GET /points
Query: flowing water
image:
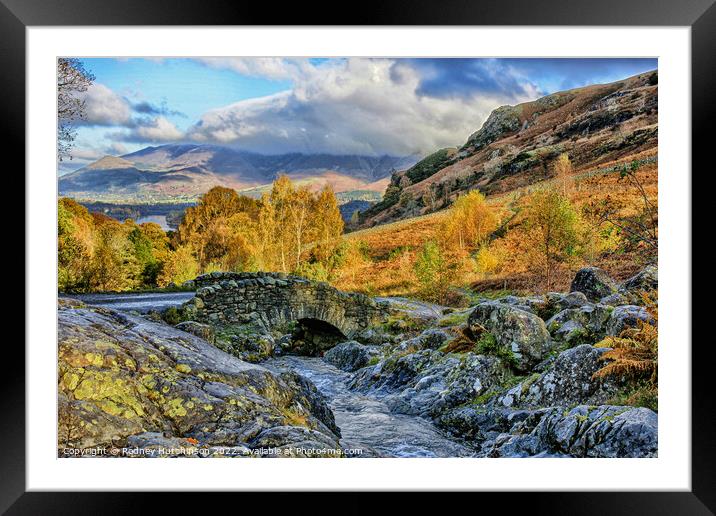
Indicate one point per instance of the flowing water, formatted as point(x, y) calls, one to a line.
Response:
point(365, 421)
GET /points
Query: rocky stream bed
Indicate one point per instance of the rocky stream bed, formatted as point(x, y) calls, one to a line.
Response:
point(512, 377)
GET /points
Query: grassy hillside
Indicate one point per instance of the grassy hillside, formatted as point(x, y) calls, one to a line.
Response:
point(391, 249)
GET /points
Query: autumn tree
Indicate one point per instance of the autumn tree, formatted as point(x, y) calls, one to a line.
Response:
point(328, 224)
point(114, 265)
point(280, 199)
point(75, 243)
point(210, 227)
point(552, 226)
point(72, 81)
point(302, 222)
point(562, 170)
point(434, 272)
point(470, 221)
point(180, 266)
point(150, 245)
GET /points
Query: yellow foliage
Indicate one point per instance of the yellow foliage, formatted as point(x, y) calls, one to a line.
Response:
point(634, 353)
point(562, 168)
point(487, 260)
point(469, 222)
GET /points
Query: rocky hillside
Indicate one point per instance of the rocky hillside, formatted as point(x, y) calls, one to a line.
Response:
point(516, 145)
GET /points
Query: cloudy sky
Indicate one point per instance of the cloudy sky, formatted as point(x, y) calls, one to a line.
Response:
point(335, 106)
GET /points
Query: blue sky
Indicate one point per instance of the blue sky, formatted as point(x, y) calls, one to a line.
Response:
point(351, 105)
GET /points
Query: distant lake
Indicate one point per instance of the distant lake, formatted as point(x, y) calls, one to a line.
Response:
point(157, 219)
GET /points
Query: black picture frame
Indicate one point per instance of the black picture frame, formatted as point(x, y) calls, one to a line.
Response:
point(700, 15)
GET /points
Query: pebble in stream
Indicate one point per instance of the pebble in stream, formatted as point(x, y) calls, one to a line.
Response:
point(365, 421)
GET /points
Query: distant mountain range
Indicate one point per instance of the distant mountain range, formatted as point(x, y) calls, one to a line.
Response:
point(185, 171)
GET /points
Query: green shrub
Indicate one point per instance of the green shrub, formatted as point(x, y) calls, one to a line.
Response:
point(487, 345)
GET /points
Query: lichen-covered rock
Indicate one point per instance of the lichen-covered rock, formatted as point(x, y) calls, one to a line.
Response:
point(249, 342)
point(295, 441)
point(634, 288)
point(603, 431)
point(586, 324)
point(615, 299)
point(350, 355)
point(626, 316)
point(432, 338)
point(373, 336)
point(481, 423)
point(416, 379)
point(594, 283)
point(394, 372)
point(533, 304)
point(557, 301)
point(201, 330)
point(583, 431)
point(521, 332)
point(568, 381)
point(451, 381)
point(644, 281)
point(122, 375)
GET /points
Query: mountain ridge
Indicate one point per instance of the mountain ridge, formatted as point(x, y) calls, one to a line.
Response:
point(516, 146)
point(185, 171)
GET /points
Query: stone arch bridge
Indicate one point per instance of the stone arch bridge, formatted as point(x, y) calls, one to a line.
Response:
point(272, 299)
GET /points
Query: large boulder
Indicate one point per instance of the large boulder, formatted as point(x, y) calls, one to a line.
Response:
point(522, 333)
point(594, 283)
point(249, 342)
point(632, 291)
point(582, 431)
point(122, 375)
point(588, 431)
point(645, 281)
point(585, 324)
point(626, 316)
point(451, 381)
point(567, 382)
point(395, 372)
point(350, 356)
point(432, 338)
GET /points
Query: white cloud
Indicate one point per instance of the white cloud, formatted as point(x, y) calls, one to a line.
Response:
point(275, 68)
point(357, 106)
point(156, 130)
point(104, 107)
point(117, 148)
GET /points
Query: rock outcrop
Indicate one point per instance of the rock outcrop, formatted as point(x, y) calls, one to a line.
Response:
point(350, 355)
point(594, 283)
point(125, 380)
point(521, 333)
point(569, 381)
point(513, 145)
point(583, 431)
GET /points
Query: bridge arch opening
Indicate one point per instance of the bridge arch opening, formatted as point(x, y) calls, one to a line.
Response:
point(313, 337)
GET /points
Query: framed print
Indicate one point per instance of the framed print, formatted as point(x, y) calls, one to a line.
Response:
point(420, 254)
